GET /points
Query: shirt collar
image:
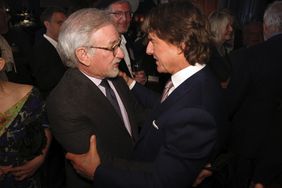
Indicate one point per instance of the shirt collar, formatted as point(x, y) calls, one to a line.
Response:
point(123, 40)
point(96, 81)
point(275, 34)
point(52, 41)
point(182, 75)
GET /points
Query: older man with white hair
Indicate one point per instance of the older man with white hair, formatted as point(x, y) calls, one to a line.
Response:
point(90, 98)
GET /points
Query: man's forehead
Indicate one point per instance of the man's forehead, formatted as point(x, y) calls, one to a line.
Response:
point(106, 33)
point(58, 15)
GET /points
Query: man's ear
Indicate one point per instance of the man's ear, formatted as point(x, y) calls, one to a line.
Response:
point(82, 56)
point(46, 24)
point(181, 48)
point(2, 63)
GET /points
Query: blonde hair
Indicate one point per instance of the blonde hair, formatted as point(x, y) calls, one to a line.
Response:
point(219, 19)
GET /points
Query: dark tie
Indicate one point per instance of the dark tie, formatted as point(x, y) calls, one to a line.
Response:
point(110, 94)
point(168, 86)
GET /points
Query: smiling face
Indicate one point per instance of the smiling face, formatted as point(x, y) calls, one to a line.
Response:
point(169, 58)
point(101, 63)
point(121, 14)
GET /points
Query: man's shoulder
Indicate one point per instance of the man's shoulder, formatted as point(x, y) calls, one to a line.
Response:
point(269, 45)
point(69, 87)
point(41, 41)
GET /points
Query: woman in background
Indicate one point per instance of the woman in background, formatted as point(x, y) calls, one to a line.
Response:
point(24, 135)
point(221, 24)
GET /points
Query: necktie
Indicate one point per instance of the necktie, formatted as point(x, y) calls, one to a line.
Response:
point(168, 86)
point(110, 94)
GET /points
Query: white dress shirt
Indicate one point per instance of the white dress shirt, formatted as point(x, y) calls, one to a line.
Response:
point(126, 54)
point(182, 75)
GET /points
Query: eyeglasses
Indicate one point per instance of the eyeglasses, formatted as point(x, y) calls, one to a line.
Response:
point(113, 49)
point(119, 14)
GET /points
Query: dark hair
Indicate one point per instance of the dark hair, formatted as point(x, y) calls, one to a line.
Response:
point(48, 12)
point(178, 23)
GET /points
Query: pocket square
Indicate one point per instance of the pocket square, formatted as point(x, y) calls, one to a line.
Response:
point(155, 125)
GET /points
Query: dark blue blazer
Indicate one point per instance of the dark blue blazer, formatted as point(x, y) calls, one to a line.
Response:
point(177, 137)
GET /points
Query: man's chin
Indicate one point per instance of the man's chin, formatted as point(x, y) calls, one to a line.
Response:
point(160, 70)
point(113, 73)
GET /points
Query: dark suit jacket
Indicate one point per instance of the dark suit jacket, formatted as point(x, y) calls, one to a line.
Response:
point(177, 137)
point(47, 66)
point(77, 109)
point(254, 100)
point(219, 65)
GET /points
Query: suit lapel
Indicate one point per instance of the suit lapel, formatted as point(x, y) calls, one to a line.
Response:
point(96, 96)
point(181, 91)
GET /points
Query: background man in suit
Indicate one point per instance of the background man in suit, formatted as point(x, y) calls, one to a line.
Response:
point(80, 105)
point(180, 132)
point(121, 13)
point(47, 67)
point(47, 70)
point(254, 100)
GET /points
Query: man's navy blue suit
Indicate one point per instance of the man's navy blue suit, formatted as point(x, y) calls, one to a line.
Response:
point(176, 140)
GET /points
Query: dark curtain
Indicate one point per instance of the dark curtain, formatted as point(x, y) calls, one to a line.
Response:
point(245, 10)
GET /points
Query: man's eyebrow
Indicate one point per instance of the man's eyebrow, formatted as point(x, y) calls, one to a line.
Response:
point(114, 41)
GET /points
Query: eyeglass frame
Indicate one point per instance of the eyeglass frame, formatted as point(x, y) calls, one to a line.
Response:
point(119, 14)
point(113, 49)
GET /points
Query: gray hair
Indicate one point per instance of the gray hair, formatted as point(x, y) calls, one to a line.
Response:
point(272, 18)
point(218, 21)
point(77, 30)
point(106, 5)
point(109, 8)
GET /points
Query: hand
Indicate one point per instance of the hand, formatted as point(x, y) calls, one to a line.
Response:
point(140, 77)
point(4, 170)
point(202, 175)
point(86, 164)
point(127, 79)
point(28, 169)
